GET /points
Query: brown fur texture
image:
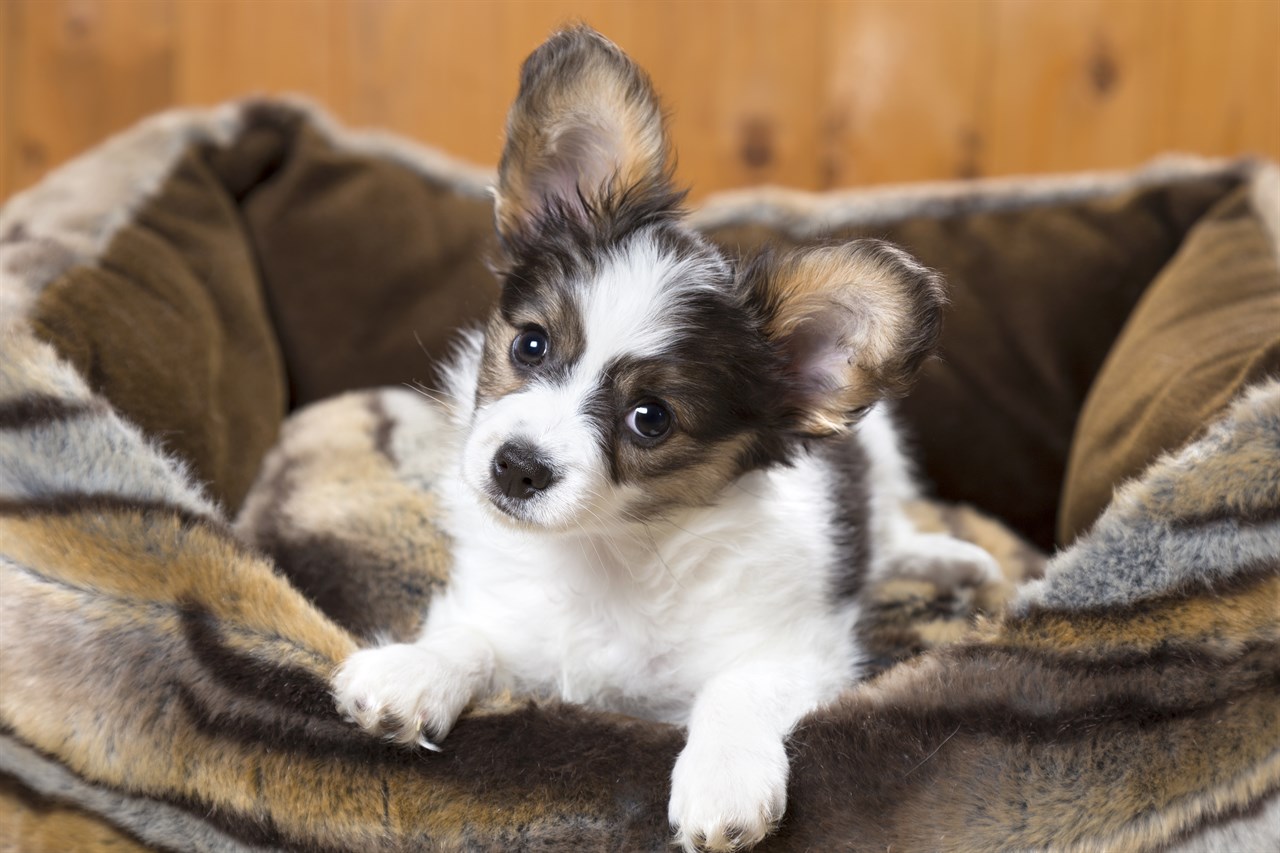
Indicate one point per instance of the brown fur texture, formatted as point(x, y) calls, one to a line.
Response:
point(1077, 708)
point(165, 672)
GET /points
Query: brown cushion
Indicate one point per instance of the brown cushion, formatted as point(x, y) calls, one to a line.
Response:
point(169, 324)
point(1206, 328)
point(1038, 296)
point(265, 275)
point(361, 257)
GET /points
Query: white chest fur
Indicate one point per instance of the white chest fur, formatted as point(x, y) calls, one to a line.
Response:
point(638, 620)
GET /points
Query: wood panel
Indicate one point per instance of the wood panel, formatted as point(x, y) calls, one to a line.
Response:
point(1227, 55)
point(906, 89)
point(231, 48)
point(78, 71)
point(1098, 96)
point(809, 93)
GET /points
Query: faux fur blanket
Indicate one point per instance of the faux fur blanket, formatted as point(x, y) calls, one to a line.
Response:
point(164, 662)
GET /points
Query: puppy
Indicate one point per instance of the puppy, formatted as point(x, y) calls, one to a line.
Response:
point(660, 505)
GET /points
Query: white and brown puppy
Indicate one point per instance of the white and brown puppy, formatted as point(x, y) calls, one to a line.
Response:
point(659, 504)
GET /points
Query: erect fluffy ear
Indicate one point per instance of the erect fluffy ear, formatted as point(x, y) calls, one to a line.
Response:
point(585, 123)
point(854, 322)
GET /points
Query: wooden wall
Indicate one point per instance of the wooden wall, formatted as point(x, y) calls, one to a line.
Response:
point(809, 93)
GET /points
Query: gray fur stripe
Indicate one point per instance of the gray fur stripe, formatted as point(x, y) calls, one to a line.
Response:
point(1144, 545)
point(101, 455)
point(152, 821)
point(432, 164)
point(46, 452)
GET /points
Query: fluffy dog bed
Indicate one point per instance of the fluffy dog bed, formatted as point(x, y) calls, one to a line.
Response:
point(174, 592)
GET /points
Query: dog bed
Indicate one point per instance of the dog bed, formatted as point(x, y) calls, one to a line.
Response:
point(181, 568)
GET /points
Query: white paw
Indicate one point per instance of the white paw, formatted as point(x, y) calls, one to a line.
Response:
point(944, 559)
point(727, 795)
point(402, 691)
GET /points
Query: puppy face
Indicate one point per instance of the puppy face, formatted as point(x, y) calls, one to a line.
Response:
point(618, 382)
point(631, 369)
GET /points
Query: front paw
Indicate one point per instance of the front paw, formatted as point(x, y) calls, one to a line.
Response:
point(727, 795)
point(401, 691)
point(944, 560)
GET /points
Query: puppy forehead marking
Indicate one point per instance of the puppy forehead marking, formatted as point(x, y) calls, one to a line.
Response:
point(631, 307)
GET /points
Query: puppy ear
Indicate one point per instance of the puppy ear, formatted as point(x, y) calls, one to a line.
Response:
point(854, 322)
point(585, 124)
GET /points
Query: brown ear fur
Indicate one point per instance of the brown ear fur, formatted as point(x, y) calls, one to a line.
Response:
point(855, 322)
point(586, 123)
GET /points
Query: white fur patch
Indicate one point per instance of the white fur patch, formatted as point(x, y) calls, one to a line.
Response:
point(627, 308)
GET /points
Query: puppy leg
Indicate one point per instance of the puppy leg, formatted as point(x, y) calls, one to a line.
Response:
point(899, 549)
point(414, 692)
point(729, 785)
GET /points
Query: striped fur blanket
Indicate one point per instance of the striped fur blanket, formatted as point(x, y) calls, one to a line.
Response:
point(169, 621)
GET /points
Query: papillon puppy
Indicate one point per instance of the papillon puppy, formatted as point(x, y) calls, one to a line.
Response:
point(670, 475)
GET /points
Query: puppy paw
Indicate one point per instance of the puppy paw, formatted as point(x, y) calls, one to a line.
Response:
point(727, 795)
point(944, 560)
point(402, 692)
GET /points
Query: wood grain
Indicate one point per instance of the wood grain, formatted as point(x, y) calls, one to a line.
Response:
point(229, 48)
point(906, 91)
point(808, 93)
point(79, 71)
point(1098, 96)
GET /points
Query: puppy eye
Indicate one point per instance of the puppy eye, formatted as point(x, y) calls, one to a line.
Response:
point(650, 419)
point(530, 347)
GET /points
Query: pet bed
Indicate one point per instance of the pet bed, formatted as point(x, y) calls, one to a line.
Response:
point(174, 592)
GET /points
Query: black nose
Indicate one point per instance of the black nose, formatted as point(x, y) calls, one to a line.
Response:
point(519, 471)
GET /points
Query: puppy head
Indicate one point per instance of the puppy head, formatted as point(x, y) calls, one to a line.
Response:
point(630, 370)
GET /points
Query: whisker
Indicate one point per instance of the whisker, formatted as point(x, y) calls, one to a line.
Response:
point(442, 403)
point(609, 542)
point(441, 391)
point(592, 540)
point(657, 553)
point(585, 558)
point(652, 545)
point(421, 345)
point(713, 541)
